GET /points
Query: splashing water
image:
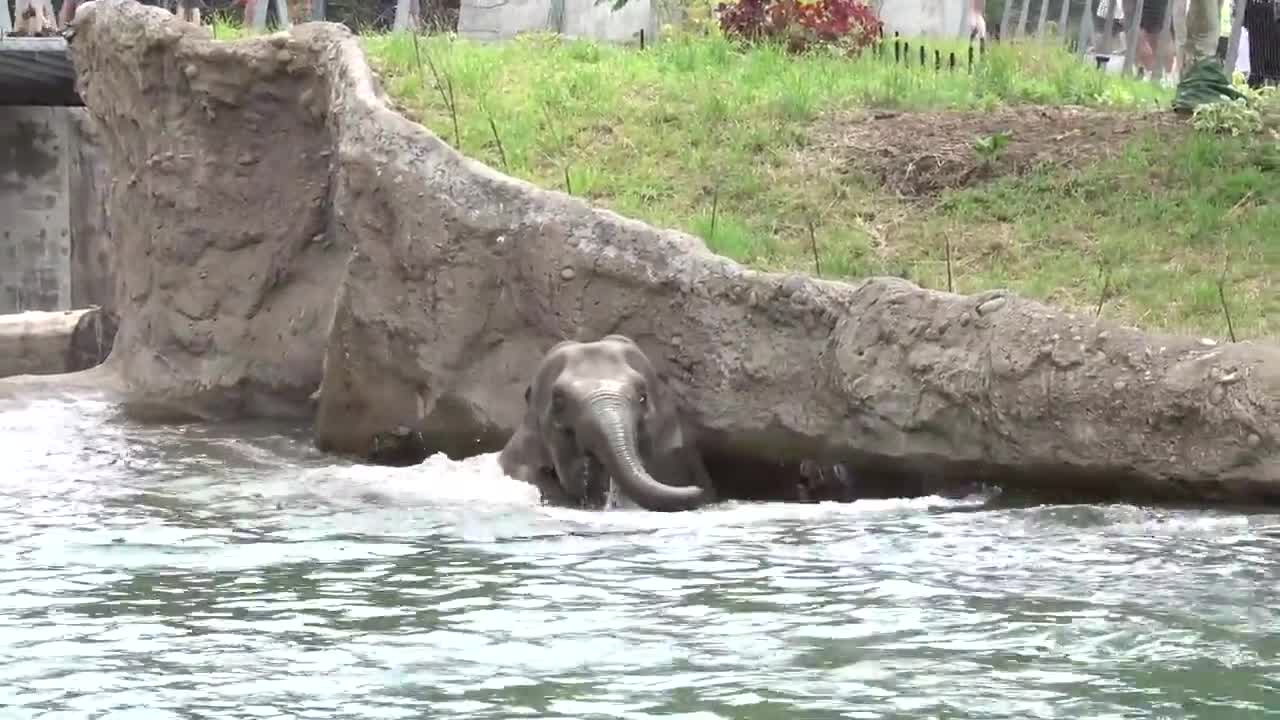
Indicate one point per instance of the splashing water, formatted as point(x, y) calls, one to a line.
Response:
point(233, 572)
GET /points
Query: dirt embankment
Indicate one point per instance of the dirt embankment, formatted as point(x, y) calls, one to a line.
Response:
point(277, 212)
point(920, 154)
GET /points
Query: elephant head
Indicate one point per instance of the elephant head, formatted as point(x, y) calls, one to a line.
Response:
point(597, 412)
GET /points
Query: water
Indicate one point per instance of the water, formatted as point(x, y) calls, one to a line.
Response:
point(188, 572)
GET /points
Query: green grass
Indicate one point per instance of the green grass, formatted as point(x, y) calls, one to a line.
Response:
point(665, 134)
point(1157, 227)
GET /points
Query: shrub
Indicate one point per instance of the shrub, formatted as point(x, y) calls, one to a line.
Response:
point(1258, 110)
point(801, 24)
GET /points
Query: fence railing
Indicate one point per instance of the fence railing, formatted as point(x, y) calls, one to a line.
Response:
point(1138, 37)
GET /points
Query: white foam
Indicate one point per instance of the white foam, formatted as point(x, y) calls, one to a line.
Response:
point(436, 481)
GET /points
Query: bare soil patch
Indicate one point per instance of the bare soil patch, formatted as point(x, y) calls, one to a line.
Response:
point(919, 154)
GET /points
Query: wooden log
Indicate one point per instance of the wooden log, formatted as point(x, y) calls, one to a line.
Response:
point(46, 343)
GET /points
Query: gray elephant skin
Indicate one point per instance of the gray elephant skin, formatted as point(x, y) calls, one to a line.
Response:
point(599, 422)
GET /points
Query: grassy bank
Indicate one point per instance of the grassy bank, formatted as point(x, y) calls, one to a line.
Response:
point(764, 155)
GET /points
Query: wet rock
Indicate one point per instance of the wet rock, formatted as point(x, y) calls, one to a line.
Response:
point(167, 257)
point(771, 368)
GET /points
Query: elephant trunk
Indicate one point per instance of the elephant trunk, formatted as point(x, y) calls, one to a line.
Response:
point(615, 424)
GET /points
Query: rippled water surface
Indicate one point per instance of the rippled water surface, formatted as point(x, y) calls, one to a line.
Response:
point(212, 572)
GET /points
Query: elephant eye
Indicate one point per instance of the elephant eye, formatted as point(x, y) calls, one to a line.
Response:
point(557, 400)
point(644, 397)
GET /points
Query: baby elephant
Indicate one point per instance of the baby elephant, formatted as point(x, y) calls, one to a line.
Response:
point(599, 423)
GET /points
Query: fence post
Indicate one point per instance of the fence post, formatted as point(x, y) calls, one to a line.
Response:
point(406, 12)
point(1086, 28)
point(1022, 19)
point(1044, 13)
point(1112, 7)
point(1004, 20)
point(1233, 45)
point(1163, 46)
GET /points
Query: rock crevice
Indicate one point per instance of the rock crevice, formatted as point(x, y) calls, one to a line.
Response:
point(283, 234)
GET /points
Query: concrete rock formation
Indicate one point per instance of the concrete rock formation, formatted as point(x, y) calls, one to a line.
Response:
point(219, 214)
point(91, 262)
point(272, 210)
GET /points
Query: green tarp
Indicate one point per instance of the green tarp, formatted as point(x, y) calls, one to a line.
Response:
point(1203, 83)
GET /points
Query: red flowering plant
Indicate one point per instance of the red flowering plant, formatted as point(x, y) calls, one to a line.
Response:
point(801, 24)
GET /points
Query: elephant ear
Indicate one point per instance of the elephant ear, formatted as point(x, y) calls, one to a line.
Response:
point(537, 394)
point(669, 434)
point(667, 429)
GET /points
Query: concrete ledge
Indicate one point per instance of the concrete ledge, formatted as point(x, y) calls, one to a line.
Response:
point(48, 343)
point(37, 71)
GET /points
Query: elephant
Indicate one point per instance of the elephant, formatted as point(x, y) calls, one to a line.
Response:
point(599, 426)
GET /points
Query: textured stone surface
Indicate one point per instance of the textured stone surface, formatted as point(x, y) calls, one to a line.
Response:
point(89, 189)
point(271, 208)
point(219, 211)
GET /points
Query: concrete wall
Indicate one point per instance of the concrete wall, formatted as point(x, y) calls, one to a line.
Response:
point(54, 180)
point(35, 231)
point(929, 18)
point(503, 19)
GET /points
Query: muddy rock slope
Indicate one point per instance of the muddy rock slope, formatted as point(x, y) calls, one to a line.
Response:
point(285, 235)
point(218, 212)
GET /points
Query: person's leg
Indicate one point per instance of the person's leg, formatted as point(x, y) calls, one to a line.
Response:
point(1148, 55)
point(1202, 31)
point(1150, 25)
point(1256, 15)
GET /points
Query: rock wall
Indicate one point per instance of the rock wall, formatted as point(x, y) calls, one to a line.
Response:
point(220, 213)
point(89, 184)
point(277, 212)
